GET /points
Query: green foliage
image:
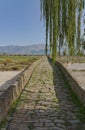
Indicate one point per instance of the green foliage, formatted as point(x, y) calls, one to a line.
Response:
point(60, 17)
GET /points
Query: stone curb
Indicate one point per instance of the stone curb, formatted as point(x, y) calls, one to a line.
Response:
point(77, 87)
point(8, 96)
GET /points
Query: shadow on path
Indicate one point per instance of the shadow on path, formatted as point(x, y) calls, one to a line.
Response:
point(73, 111)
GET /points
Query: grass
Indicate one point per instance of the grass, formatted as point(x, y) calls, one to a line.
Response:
point(6, 121)
point(3, 124)
point(16, 62)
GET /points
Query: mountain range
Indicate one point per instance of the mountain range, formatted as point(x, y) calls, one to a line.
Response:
point(37, 49)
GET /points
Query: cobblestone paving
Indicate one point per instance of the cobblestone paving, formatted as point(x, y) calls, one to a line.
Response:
point(45, 103)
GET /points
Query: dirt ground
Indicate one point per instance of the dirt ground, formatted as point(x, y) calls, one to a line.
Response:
point(7, 76)
point(78, 70)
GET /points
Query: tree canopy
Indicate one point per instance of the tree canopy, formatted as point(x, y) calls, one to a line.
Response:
point(63, 21)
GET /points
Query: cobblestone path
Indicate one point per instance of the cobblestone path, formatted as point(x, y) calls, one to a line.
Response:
point(45, 103)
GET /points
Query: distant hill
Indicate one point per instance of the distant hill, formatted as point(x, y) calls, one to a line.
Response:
point(38, 49)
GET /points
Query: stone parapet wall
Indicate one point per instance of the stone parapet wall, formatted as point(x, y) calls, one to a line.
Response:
point(77, 87)
point(9, 95)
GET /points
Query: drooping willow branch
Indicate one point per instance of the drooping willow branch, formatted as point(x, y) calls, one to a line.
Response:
point(63, 20)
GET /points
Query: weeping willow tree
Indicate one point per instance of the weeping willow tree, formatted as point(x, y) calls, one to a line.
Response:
point(49, 10)
point(71, 29)
point(62, 22)
point(51, 25)
point(55, 28)
point(45, 11)
point(80, 4)
point(60, 18)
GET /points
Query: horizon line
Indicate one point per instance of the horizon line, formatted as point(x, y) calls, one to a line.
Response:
point(22, 45)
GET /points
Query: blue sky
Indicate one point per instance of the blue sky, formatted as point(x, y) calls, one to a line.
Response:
point(20, 22)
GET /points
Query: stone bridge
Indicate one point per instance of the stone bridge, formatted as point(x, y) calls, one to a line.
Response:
point(47, 102)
